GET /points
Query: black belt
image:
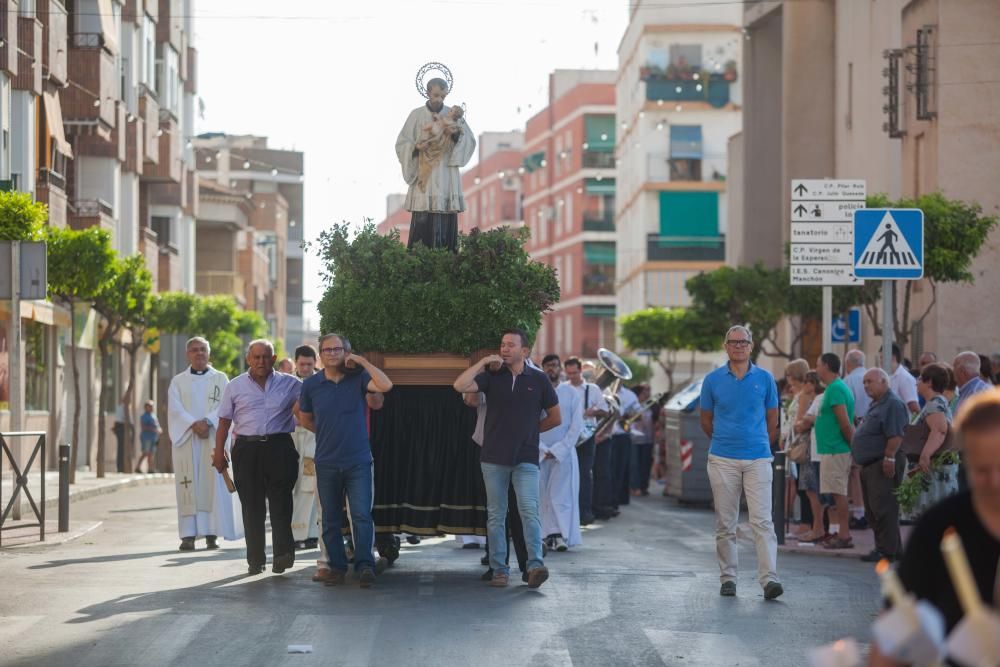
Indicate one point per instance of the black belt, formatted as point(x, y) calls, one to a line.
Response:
point(263, 438)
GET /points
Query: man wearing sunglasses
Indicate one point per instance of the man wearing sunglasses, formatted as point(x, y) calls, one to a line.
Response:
point(739, 414)
point(333, 404)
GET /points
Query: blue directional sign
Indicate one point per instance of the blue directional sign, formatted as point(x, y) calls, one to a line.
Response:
point(889, 243)
point(849, 330)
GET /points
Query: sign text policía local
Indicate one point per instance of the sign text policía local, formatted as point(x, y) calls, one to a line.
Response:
point(822, 235)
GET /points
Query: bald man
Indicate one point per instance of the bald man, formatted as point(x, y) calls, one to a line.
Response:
point(967, 375)
point(875, 446)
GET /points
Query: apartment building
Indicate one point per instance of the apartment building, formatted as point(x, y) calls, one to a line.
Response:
point(251, 229)
point(899, 93)
point(569, 199)
point(679, 100)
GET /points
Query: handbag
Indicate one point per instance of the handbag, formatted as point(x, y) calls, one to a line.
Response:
point(915, 437)
point(799, 450)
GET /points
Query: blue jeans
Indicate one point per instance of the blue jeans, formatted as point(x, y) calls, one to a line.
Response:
point(358, 483)
point(498, 478)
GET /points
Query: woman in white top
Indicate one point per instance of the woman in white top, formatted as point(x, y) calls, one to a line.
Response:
point(810, 398)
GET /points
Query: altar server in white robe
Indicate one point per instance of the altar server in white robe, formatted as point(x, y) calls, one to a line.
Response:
point(305, 527)
point(559, 469)
point(205, 507)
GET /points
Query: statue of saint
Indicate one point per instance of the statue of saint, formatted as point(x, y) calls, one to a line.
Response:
point(433, 144)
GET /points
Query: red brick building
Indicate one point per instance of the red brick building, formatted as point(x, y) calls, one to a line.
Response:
point(568, 178)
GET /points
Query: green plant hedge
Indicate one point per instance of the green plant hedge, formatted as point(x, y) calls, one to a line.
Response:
point(390, 299)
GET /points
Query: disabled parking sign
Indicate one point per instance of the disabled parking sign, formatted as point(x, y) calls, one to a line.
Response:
point(889, 243)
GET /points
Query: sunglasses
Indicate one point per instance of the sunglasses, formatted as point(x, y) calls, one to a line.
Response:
point(738, 343)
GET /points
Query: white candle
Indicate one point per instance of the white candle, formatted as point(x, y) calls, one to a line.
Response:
point(892, 587)
point(961, 573)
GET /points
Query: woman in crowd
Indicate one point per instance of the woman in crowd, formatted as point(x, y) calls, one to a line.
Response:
point(810, 398)
point(788, 389)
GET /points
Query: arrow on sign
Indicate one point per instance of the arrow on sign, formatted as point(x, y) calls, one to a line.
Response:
point(801, 189)
point(800, 210)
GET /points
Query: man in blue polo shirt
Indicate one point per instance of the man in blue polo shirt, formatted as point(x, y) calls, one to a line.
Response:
point(332, 404)
point(517, 396)
point(739, 414)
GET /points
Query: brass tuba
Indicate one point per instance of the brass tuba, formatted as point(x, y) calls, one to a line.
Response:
point(615, 370)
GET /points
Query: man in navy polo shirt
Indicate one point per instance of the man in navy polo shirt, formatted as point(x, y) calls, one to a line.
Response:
point(739, 414)
point(332, 404)
point(522, 404)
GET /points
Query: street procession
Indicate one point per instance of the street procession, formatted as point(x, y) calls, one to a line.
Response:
point(695, 365)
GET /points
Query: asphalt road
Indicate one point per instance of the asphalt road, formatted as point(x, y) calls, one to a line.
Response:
point(642, 590)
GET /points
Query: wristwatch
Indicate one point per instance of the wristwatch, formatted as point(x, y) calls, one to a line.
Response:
point(890, 459)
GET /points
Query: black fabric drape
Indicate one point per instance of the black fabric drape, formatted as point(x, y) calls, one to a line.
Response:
point(427, 475)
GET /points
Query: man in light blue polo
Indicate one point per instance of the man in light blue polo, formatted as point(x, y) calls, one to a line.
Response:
point(739, 414)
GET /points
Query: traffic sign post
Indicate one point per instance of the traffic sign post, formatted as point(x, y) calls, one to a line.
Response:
point(822, 238)
point(889, 245)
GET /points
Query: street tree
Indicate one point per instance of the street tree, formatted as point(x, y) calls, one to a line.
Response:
point(665, 333)
point(954, 233)
point(21, 219)
point(136, 319)
point(80, 264)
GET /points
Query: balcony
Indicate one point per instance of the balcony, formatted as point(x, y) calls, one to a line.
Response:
point(221, 282)
point(685, 248)
point(685, 84)
point(86, 213)
point(167, 167)
point(169, 269)
point(597, 221)
point(599, 280)
point(50, 189)
point(29, 55)
point(150, 249)
point(8, 35)
point(598, 160)
point(149, 112)
point(92, 68)
point(53, 16)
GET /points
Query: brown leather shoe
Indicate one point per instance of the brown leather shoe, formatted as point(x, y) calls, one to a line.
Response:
point(321, 574)
point(537, 576)
point(500, 580)
point(335, 578)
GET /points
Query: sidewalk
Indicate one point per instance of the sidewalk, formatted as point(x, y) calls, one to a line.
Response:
point(864, 542)
point(87, 486)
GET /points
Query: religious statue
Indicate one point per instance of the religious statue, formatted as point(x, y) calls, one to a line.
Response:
point(433, 144)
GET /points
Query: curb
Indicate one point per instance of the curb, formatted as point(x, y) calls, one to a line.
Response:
point(52, 503)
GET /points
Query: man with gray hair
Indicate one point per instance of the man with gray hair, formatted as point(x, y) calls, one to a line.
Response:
point(874, 447)
point(204, 506)
point(258, 406)
point(967, 367)
point(854, 373)
point(739, 414)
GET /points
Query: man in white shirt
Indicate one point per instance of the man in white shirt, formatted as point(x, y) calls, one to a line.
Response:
point(902, 382)
point(854, 375)
point(559, 470)
point(594, 409)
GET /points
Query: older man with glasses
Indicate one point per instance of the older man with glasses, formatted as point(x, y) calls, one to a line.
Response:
point(739, 414)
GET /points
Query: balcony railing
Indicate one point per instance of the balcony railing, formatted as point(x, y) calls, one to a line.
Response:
point(685, 248)
point(87, 208)
point(599, 281)
point(596, 221)
point(221, 282)
point(51, 179)
point(713, 88)
point(598, 160)
point(86, 40)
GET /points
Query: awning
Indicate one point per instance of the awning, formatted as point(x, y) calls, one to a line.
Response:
point(533, 162)
point(600, 133)
point(605, 186)
point(108, 29)
point(598, 311)
point(54, 119)
point(685, 142)
point(599, 253)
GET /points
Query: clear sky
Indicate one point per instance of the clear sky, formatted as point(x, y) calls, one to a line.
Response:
point(336, 80)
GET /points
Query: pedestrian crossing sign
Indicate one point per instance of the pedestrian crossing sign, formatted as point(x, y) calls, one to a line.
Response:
point(889, 243)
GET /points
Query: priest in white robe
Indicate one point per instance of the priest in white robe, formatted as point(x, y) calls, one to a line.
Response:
point(559, 469)
point(435, 206)
point(205, 507)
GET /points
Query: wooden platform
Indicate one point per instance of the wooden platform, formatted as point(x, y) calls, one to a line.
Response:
point(424, 369)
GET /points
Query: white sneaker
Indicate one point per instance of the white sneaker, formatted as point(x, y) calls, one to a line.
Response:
point(561, 544)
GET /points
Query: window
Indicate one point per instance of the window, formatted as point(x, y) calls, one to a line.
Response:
point(685, 56)
point(168, 80)
point(568, 267)
point(162, 227)
point(36, 365)
point(685, 152)
point(148, 50)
